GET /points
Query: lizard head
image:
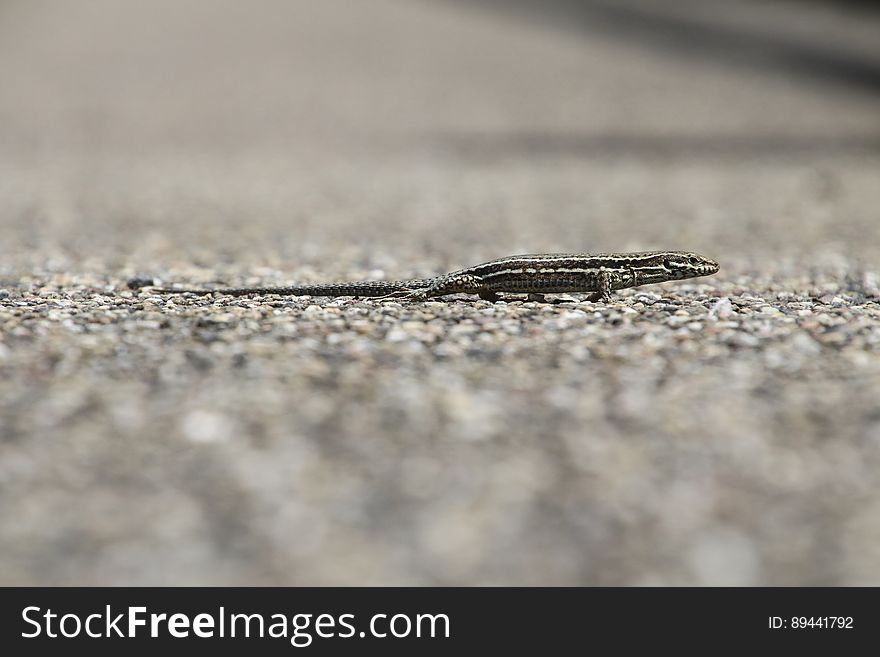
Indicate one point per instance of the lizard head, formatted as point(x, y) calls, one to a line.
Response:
point(682, 264)
point(659, 266)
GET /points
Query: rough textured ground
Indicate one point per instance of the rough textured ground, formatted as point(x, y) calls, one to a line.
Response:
point(718, 431)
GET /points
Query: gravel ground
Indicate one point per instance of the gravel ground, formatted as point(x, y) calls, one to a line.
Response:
point(724, 430)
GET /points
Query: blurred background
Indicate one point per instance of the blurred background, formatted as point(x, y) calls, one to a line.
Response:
point(504, 125)
point(278, 140)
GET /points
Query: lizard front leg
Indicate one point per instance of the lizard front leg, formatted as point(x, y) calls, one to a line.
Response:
point(603, 282)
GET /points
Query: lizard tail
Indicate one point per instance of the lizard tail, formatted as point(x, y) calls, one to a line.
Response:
point(347, 289)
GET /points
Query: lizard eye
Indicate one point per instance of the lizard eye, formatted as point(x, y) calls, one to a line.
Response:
point(667, 263)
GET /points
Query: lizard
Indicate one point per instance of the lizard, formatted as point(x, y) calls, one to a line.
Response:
point(533, 274)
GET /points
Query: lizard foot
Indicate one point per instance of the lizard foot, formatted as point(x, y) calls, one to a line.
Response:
point(405, 295)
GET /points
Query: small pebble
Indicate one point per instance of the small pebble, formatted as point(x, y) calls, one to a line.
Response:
point(137, 283)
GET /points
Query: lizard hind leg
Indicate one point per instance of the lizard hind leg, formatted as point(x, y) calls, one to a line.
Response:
point(457, 284)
